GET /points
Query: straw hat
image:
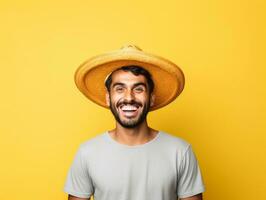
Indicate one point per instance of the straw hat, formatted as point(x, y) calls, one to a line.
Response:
point(168, 78)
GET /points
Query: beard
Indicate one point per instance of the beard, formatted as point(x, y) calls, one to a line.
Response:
point(130, 123)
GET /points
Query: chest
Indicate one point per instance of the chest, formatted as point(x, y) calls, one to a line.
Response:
point(130, 173)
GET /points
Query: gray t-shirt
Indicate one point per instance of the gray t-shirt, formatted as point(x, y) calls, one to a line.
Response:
point(165, 168)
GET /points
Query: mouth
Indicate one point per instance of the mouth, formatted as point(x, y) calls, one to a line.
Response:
point(129, 111)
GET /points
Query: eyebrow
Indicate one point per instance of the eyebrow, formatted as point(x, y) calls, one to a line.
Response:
point(140, 83)
point(135, 85)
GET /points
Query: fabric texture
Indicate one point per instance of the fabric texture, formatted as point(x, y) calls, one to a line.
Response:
point(164, 168)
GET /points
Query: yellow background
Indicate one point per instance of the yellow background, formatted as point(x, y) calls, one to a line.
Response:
point(220, 45)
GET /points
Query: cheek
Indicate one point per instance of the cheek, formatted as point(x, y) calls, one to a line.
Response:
point(142, 97)
point(115, 99)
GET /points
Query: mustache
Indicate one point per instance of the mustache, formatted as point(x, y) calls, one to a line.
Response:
point(132, 102)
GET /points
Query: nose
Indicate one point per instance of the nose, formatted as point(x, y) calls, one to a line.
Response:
point(129, 95)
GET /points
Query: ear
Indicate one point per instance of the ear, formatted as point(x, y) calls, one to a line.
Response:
point(107, 99)
point(152, 100)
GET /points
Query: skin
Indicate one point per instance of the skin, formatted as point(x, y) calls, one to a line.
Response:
point(126, 88)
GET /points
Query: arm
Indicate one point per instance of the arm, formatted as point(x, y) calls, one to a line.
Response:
point(196, 197)
point(70, 197)
point(190, 183)
point(79, 184)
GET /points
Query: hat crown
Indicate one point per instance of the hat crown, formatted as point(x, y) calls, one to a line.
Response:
point(129, 47)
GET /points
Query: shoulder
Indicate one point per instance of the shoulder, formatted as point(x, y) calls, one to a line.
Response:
point(175, 144)
point(181, 148)
point(93, 144)
point(173, 140)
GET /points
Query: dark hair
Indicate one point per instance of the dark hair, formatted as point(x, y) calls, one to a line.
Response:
point(136, 70)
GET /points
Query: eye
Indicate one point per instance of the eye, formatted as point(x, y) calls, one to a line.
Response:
point(139, 89)
point(119, 89)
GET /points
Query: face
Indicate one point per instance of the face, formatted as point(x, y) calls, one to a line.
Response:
point(129, 98)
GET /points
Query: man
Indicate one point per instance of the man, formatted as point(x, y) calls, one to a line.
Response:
point(133, 161)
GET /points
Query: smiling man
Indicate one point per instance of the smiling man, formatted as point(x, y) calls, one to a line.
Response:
point(129, 95)
point(133, 161)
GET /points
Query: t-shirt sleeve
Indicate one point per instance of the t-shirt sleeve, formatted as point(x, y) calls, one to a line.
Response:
point(190, 181)
point(78, 182)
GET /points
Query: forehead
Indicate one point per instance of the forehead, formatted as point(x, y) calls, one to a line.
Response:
point(127, 77)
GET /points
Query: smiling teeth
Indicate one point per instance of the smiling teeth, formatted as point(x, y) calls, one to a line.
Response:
point(128, 108)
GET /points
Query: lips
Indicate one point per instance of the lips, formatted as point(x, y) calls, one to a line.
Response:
point(129, 110)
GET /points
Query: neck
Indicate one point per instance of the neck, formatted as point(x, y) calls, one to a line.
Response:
point(133, 136)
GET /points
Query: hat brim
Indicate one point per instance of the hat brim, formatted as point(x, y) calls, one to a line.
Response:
point(168, 78)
